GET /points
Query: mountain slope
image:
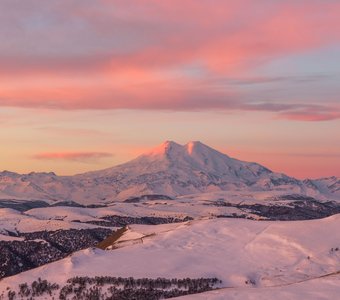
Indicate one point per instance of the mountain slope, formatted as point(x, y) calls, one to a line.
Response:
point(169, 169)
point(329, 185)
point(174, 170)
point(189, 160)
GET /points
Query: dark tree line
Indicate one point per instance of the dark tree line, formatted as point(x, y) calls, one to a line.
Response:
point(113, 288)
point(296, 207)
point(119, 288)
point(37, 288)
point(121, 221)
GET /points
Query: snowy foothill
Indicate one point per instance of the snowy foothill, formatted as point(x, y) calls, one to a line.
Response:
point(12, 221)
point(242, 253)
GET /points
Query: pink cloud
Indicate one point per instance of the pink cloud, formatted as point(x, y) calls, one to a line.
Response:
point(312, 113)
point(128, 55)
point(187, 97)
point(72, 156)
point(311, 117)
point(227, 36)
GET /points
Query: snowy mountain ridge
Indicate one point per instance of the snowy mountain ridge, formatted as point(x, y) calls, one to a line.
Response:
point(170, 169)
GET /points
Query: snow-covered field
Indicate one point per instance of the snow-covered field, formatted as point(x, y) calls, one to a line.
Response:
point(14, 221)
point(225, 203)
point(193, 206)
point(319, 289)
point(252, 258)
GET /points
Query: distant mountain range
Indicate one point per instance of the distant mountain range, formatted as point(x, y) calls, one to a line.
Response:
point(169, 170)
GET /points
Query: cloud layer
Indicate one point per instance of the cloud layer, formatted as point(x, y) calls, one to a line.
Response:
point(178, 55)
point(88, 157)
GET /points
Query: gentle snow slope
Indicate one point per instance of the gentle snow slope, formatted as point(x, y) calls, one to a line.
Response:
point(236, 251)
point(14, 221)
point(316, 289)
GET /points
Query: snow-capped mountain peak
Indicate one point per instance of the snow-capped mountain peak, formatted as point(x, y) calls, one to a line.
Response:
point(193, 156)
point(169, 169)
point(167, 148)
point(172, 169)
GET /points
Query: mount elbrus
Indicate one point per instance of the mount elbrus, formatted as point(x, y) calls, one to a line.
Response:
point(169, 170)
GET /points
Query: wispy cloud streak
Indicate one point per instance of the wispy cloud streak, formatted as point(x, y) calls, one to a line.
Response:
point(87, 157)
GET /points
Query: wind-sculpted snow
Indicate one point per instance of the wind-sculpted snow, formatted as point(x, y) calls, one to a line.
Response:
point(171, 170)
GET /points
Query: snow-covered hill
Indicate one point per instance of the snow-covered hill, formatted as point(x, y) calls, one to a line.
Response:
point(170, 169)
point(329, 185)
point(12, 221)
point(248, 256)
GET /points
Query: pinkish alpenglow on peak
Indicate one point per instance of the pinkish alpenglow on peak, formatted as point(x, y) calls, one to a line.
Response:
point(169, 169)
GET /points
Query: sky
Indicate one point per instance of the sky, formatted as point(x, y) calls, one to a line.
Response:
point(88, 84)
